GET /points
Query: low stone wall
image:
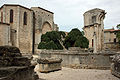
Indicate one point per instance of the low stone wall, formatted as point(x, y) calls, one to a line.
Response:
point(115, 66)
point(80, 59)
point(48, 65)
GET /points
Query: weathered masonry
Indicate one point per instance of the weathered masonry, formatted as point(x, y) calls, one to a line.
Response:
point(25, 26)
point(94, 28)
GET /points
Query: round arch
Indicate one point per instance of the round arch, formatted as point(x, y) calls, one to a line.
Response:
point(46, 27)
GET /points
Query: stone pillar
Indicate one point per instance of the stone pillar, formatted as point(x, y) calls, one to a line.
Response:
point(95, 41)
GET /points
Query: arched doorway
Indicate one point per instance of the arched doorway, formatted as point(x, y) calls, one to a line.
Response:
point(46, 27)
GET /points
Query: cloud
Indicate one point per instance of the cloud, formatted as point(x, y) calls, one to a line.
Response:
point(69, 13)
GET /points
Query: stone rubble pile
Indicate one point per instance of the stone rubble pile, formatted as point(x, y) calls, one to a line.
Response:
point(13, 66)
point(115, 66)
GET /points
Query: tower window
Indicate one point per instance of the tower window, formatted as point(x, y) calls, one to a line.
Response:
point(114, 40)
point(25, 18)
point(11, 16)
point(93, 19)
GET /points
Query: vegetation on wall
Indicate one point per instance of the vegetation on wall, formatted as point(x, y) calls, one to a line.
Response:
point(58, 40)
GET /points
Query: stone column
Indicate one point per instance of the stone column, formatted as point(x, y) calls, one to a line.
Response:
point(95, 41)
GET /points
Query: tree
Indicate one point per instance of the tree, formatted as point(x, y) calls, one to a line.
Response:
point(118, 26)
point(76, 39)
point(118, 36)
point(118, 33)
point(52, 40)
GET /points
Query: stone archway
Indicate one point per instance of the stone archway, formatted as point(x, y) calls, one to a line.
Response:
point(46, 27)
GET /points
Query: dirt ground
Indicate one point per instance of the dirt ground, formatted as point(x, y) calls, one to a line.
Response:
point(78, 74)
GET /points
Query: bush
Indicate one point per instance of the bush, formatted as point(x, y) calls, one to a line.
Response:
point(50, 40)
point(76, 39)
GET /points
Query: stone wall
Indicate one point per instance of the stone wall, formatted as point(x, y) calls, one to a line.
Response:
point(44, 22)
point(79, 59)
point(21, 34)
point(112, 46)
point(4, 34)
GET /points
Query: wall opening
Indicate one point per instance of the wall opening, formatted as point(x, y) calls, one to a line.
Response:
point(46, 27)
point(25, 18)
point(11, 16)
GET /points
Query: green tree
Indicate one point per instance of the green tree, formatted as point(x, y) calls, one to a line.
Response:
point(118, 26)
point(52, 40)
point(118, 33)
point(118, 36)
point(76, 39)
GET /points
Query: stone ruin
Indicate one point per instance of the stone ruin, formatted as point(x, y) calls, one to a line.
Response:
point(49, 65)
point(13, 66)
point(115, 66)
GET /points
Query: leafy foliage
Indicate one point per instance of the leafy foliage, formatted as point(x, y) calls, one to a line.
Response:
point(50, 40)
point(53, 40)
point(76, 39)
point(118, 26)
point(118, 36)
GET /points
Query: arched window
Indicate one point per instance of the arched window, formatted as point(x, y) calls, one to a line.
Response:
point(11, 16)
point(25, 18)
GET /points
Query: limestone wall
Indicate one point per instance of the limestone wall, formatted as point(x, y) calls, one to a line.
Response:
point(44, 22)
point(109, 37)
point(79, 59)
point(21, 35)
point(4, 34)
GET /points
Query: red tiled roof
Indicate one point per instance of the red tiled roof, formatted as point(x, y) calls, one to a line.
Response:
point(110, 30)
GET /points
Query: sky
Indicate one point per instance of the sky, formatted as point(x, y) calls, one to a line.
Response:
point(68, 14)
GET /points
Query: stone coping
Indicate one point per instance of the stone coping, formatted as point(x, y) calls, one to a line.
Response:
point(75, 53)
point(49, 61)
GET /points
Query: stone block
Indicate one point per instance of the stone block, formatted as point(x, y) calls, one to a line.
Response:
point(48, 65)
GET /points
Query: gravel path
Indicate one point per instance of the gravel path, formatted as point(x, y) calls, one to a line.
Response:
point(78, 74)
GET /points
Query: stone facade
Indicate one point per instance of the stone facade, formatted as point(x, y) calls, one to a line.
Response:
point(44, 22)
point(94, 28)
point(26, 25)
point(110, 40)
point(21, 34)
point(4, 34)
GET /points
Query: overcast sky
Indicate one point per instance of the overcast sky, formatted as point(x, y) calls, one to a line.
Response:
point(68, 14)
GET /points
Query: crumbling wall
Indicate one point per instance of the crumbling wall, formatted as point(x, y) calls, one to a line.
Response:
point(80, 59)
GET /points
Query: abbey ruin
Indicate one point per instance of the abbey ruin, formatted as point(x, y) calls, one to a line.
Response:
point(22, 27)
point(94, 28)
